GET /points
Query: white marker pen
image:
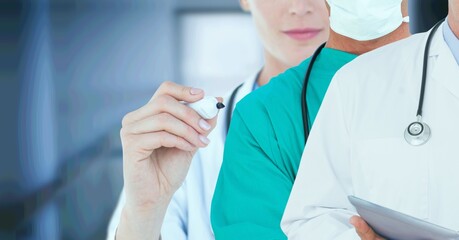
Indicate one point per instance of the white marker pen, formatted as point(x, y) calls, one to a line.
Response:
point(207, 107)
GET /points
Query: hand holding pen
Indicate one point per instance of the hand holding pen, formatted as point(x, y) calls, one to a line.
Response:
point(159, 141)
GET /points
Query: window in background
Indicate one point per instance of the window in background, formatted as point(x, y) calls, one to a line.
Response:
point(217, 50)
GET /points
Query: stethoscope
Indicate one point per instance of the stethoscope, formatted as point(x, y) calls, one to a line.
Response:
point(417, 133)
point(232, 100)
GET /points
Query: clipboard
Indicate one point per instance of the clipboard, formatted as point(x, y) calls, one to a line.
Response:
point(394, 225)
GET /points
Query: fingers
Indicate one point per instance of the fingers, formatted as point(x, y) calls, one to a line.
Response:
point(146, 143)
point(165, 113)
point(167, 104)
point(364, 231)
point(179, 92)
point(170, 124)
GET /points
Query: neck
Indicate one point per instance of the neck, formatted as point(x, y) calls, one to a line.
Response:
point(272, 68)
point(340, 42)
point(453, 22)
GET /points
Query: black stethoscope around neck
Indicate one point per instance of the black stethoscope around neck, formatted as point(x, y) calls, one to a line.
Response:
point(417, 133)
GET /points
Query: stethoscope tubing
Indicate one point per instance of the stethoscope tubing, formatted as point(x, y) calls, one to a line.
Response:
point(304, 105)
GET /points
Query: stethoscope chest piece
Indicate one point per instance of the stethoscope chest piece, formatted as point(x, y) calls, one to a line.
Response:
point(417, 133)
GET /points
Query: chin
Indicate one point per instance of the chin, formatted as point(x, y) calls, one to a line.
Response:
point(292, 62)
point(304, 53)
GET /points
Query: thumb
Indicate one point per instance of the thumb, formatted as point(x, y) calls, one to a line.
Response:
point(364, 231)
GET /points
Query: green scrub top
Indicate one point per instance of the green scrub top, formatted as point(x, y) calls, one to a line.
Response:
point(263, 151)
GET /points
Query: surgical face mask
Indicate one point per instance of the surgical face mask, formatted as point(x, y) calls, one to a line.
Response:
point(365, 20)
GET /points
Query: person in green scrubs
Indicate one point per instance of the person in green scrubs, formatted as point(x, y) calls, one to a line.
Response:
point(265, 142)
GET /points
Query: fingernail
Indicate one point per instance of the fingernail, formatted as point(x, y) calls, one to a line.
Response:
point(204, 125)
point(204, 139)
point(195, 91)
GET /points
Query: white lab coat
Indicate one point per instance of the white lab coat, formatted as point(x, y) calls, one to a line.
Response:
point(188, 215)
point(357, 144)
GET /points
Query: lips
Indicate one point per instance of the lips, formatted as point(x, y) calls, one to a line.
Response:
point(302, 33)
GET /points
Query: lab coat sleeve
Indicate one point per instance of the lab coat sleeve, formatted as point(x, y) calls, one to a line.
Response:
point(251, 190)
point(318, 207)
point(174, 225)
point(116, 216)
point(176, 219)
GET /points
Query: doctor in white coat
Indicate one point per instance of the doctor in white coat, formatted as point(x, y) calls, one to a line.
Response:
point(160, 140)
point(357, 146)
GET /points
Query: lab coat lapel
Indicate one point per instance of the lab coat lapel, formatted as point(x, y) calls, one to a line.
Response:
point(446, 69)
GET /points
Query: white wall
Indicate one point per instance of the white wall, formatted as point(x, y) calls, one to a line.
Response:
point(218, 50)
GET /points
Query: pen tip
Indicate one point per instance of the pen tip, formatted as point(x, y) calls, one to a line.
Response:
point(220, 105)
